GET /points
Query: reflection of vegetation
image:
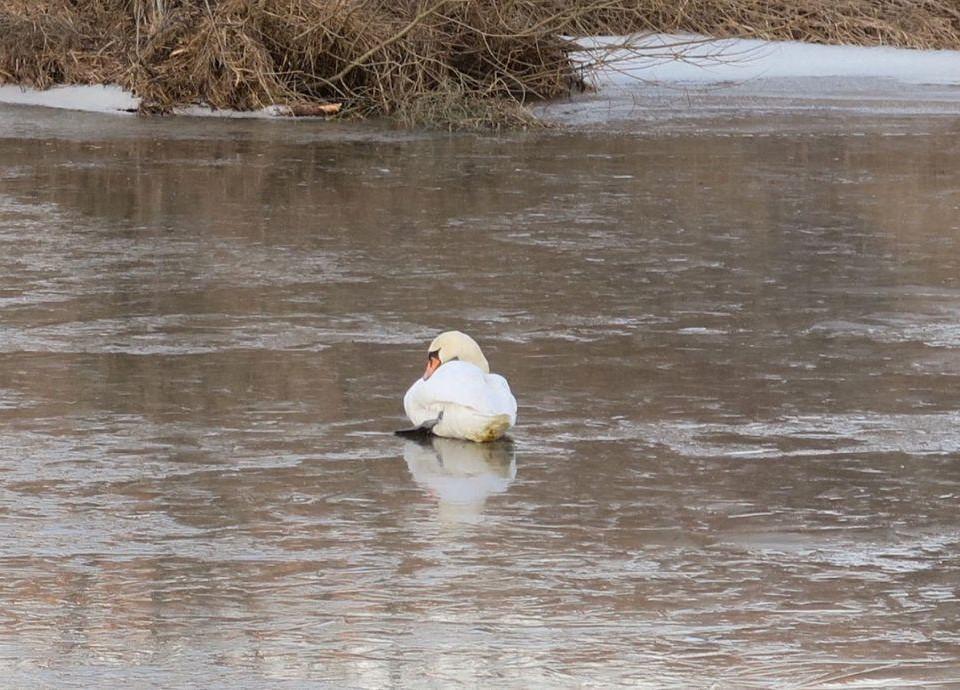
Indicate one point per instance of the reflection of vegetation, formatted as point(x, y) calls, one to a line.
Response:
point(464, 62)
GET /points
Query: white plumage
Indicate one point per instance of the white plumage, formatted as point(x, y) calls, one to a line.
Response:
point(457, 395)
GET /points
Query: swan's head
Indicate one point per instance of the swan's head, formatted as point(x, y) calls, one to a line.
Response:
point(454, 345)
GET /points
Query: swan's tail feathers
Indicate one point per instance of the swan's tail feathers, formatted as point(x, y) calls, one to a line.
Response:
point(495, 428)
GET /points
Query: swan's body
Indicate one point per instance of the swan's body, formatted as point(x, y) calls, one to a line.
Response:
point(458, 397)
point(466, 403)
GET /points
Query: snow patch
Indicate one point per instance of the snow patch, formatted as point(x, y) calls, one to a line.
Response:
point(91, 98)
point(109, 98)
point(692, 58)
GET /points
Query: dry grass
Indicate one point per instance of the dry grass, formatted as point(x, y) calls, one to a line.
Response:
point(904, 23)
point(449, 62)
point(46, 43)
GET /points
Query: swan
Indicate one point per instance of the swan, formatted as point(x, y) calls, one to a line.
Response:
point(458, 397)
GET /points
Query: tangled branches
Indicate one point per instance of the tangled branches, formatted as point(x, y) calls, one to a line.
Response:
point(442, 62)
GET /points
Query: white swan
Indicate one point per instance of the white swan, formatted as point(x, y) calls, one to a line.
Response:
point(458, 397)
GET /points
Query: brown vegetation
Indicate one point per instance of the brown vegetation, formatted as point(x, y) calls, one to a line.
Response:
point(470, 62)
point(903, 23)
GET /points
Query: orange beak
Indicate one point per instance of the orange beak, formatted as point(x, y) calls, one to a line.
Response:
point(433, 363)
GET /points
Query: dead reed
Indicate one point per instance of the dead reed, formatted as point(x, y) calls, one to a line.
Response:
point(467, 63)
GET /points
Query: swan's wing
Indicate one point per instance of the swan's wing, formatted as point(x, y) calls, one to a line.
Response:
point(501, 396)
point(463, 384)
point(420, 408)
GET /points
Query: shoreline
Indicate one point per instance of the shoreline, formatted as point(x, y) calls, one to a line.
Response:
point(647, 70)
point(441, 64)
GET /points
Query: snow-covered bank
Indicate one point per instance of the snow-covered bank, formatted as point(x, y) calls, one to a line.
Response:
point(686, 58)
point(94, 98)
point(109, 98)
point(624, 66)
point(668, 83)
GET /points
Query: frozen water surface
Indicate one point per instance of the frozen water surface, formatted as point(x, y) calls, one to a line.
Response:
point(730, 318)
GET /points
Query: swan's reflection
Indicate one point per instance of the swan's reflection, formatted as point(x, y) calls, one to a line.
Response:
point(461, 474)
